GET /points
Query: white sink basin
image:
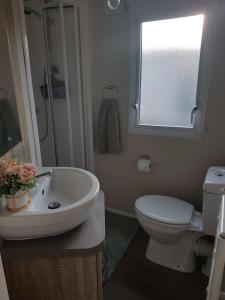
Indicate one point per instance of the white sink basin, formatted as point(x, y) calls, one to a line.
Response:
point(75, 190)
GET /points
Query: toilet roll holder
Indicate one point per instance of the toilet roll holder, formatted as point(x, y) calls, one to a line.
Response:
point(144, 156)
point(144, 163)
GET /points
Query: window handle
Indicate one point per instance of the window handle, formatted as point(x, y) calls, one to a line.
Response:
point(135, 106)
point(194, 109)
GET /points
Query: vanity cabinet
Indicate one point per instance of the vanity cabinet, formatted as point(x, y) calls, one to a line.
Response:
point(56, 278)
point(65, 267)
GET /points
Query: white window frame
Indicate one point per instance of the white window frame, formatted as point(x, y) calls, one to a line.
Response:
point(203, 77)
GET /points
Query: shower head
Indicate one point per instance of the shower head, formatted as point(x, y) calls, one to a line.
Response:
point(27, 10)
point(30, 11)
point(55, 69)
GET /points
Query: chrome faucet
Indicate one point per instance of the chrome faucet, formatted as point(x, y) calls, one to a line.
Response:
point(49, 173)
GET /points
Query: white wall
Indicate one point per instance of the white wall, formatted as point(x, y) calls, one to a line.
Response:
point(180, 164)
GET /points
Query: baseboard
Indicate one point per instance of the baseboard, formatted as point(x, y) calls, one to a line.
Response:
point(121, 212)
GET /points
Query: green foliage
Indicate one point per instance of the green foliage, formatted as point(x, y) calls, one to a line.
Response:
point(13, 185)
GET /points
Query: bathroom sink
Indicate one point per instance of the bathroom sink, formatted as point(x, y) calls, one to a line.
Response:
point(61, 201)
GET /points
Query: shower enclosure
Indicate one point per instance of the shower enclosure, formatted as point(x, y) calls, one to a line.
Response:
point(57, 39)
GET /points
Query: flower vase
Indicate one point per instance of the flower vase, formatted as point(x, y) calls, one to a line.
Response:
point(19, 201)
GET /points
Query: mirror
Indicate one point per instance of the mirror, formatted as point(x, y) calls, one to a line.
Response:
point(9, 121)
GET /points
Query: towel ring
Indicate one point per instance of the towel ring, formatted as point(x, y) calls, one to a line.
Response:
point(111, 88)
point(3, 93)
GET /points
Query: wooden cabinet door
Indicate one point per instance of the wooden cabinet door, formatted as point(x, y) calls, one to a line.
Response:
point(53, 278)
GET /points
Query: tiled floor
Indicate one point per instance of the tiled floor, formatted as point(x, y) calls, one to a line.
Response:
point(136, 278)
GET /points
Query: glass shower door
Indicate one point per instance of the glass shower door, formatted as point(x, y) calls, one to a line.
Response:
point(61, 22)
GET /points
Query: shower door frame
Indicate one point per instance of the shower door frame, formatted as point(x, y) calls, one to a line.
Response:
point(85, 102)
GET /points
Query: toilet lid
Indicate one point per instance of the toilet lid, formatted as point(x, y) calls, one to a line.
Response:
point(165, 209)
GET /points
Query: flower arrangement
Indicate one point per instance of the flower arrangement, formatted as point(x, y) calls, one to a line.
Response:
point(16, 176)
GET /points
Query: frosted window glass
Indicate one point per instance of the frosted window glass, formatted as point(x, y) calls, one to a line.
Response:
point(169, 73)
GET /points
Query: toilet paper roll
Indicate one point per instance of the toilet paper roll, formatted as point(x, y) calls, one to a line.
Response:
point(144, 165)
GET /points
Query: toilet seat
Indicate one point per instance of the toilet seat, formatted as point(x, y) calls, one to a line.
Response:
point(165, 210)
point(163, 226)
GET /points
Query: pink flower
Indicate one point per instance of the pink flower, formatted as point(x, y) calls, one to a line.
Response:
point(16, 172)
point(7, 165)
point(26, 176)
point(30, 168)
point(17, 169)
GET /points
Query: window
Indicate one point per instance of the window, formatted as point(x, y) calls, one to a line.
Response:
point(165, 87)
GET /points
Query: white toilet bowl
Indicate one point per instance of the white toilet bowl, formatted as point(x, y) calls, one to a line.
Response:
point(174, 226)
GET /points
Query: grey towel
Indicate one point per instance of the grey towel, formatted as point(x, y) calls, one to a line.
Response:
point(108, 127)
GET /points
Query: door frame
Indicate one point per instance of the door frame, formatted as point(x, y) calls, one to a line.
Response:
point(21, 72)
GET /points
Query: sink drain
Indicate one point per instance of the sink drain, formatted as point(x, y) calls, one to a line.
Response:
point(54, 205)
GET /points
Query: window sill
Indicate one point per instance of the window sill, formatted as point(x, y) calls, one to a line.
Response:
point(191, 133)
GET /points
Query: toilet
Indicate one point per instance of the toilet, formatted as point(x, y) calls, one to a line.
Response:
point(175, 226)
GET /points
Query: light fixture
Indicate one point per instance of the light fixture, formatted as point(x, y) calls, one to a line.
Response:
point(113, 4)
point(113, 7)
